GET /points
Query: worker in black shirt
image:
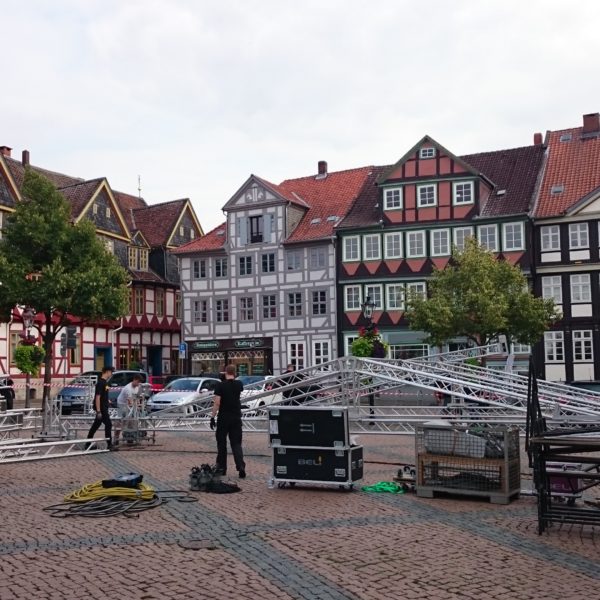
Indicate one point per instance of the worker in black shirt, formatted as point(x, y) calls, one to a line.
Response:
point(229, 422)
point(101, 406)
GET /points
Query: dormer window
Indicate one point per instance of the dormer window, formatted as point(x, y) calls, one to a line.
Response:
point(132, 257)
point(462, 192)
point(392, 198)
point(557, 189)
point(427, 153)
point(143, 259)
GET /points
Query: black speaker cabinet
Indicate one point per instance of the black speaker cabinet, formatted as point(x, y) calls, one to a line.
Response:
point(325, 465)
point(315, 427)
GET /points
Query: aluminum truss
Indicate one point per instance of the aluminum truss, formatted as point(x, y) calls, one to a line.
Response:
point(37, 450)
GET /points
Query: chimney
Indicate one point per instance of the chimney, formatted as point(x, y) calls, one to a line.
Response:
point(591, 123)
point(25, 158)
point(5, 151)
point(537, 139)
point(322, 167)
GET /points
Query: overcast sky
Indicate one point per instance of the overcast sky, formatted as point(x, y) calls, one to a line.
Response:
point(194, 96)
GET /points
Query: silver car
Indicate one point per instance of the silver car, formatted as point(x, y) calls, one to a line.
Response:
point(183, 391)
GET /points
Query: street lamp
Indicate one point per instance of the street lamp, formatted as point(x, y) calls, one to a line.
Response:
point(367, 310)
point(28, 316)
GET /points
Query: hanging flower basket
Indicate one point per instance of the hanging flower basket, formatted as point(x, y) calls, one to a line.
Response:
point(369, 344)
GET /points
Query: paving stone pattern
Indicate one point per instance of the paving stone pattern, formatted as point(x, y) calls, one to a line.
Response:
point(302, 543)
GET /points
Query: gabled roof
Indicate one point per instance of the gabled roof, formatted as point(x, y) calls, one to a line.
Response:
point(213, 240)
point(279, 193)
point(328, 197)
point(158, 221)
point(514, 172)
point(79, 194)
point(574, 165)
point(129, 203)
point(365, 210)
point(17, 170)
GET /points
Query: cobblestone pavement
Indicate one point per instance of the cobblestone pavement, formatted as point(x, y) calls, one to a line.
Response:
point(297, 543)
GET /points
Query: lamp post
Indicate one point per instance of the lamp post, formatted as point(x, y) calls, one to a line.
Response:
point(28, 316)
point(367, 311)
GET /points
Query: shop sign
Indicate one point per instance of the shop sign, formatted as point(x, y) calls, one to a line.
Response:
point(248, 343)
point(213, 345)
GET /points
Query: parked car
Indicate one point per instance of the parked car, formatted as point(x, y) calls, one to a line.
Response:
point(157, 383)
point(248, 402)
point(183, 390)
point(78, 395)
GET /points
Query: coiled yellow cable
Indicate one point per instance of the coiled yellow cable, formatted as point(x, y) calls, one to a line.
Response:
point(95, 491)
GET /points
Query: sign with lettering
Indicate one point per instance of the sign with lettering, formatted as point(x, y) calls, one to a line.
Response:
point(248, 343)
point(211, 345)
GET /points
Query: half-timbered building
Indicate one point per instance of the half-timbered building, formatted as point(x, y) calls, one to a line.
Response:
point(142, 237)
point(566, 249)
point(409, 221)
point(259, 290)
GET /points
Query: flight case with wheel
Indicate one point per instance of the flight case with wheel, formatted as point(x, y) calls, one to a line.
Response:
point(312, 446)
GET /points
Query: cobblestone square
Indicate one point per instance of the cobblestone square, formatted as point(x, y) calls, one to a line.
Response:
point(301, 543)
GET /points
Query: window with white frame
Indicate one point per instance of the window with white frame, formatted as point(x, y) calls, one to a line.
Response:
point(144, 253)
point(295, 304)
point(488, 237)
point(132, 255)
point(222, 310)
point(181, 231)
point(550, 236)
point(417, 289)
point(268, 263)
point(554, 346)
point(372, 247)
point(296, 355)
point(108, 212)
point(321, 352)
point(513, 236)
point(426, 195)
point(94, 209)
point(15, 340)
point(109, 244)
point(351, 248)
point(247, 308)
point(352, 297)
point(440, 242)
point(348, 344)
point(319, 302)
point(552, 288)
point(199, 269)
point(521, 348)
point(582, 346)
point(462, 192)
point(220, 267)
point(269, 306)
point(427, 153)
point(293, 260)
point(392, 198)
point(245, 265)
point(318, 258)
point(415, 244)
point(393, 244)
point(395, 296)
point(159, 302)
point(200, 311)
point(374, 292)
point(578, 236)
point(461, 234)
point(581, 290)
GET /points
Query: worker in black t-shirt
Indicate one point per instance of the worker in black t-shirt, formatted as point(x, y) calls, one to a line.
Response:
point(229, 422)
point(101, 406)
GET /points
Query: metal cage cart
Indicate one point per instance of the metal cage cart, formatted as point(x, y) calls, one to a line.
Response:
point(474, 462)
point(134, 427)
point(311, 445)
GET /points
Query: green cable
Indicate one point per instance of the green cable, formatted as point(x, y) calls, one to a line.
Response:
point(384, 486)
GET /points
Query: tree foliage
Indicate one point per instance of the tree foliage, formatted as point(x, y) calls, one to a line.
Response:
point(56, 266)
point(481, 298)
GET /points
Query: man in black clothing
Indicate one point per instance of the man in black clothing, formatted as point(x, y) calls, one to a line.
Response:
point(229, 423)
point(101, 406)
point(9, 393)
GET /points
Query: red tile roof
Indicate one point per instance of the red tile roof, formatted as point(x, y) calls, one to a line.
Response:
point(574, 164)
point(157, 221)
point(365, 210)
point(127, 203)
point(79, 194)
point(17, 171)
point(213, 240)
point(330, 196)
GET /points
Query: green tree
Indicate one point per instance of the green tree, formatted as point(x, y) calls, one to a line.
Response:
point(73, 273)
point(481, 298)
